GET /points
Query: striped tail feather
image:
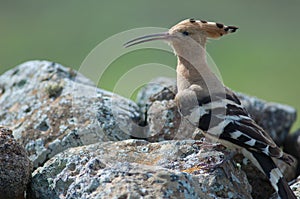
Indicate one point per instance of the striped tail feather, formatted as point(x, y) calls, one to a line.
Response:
point(274, 175)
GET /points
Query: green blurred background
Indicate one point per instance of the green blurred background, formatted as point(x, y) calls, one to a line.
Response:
point(261, 59)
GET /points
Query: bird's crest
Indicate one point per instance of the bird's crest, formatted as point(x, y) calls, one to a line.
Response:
point(211, 29)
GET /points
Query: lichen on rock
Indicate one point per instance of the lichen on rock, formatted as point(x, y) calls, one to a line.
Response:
point(139, 169)
point(79, 138)
point(51, 108)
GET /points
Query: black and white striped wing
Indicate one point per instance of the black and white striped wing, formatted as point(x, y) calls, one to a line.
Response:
point(226, 119)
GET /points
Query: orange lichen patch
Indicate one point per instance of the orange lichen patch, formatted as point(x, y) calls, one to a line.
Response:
point(192, 169)
point(87, 122)
point(14, 108)
point(34, 92)
point(154, 146)
point(148, 161)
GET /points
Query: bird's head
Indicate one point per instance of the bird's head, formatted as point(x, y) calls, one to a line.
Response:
point(187, 34)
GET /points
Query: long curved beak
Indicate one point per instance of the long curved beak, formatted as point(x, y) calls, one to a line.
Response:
point(146, 38)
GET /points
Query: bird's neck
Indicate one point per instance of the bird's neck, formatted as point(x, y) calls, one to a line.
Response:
point(192, 68)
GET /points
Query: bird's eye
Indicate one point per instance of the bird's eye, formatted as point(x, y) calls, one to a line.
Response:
point(185, 33)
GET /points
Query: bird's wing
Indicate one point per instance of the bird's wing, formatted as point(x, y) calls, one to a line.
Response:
point(225, 118)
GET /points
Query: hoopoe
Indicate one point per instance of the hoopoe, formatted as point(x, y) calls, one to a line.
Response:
point(204, 100)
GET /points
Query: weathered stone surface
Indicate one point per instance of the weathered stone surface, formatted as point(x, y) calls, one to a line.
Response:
point(138, 169)
point(15, 167)
point(51, 108)
point(165, 123)
point(275, 118)
point(157, 90)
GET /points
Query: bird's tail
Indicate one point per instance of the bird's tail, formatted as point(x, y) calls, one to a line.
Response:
point(274, 175)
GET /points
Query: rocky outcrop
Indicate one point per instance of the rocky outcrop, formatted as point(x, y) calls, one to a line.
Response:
point(15, 167)
point(51, 108)
point(79, 138)
point(138, 169)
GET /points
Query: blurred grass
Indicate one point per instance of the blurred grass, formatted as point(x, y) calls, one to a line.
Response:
point(261, 59)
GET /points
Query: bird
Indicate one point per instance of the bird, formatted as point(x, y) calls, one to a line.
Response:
point(211, 106)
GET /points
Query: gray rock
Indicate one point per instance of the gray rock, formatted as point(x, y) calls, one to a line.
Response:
point(159, 89)
point(51, 108)
point(161, 114)
point(165, 123)
point(275, 118)
point(138, 169)
point(15, 167)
